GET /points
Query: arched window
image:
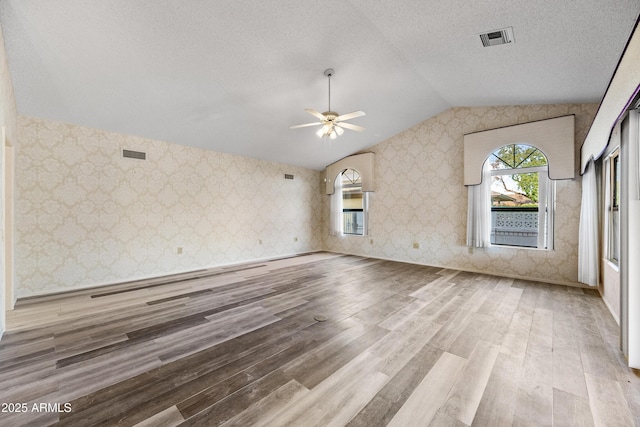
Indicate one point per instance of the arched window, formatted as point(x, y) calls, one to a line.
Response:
point(349, 205)
point(522, 197)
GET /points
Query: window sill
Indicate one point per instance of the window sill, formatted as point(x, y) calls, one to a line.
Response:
point(522, 248)
point(613, 265)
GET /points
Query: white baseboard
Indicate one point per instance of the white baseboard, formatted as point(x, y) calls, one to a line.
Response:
point(60, 291)
point(490, 273)
point(613, 314)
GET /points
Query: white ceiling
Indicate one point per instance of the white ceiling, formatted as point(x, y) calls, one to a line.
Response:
point(232, 76)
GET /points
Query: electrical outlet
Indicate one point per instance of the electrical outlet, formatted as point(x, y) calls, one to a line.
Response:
point(416, 245)
point(179, 251)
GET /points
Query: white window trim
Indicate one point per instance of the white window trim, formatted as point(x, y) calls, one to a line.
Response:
point(546, 205)
point(336, 229)
point(608, 198)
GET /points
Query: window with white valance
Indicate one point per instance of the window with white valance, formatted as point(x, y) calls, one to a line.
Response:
point(509, 172)
point(514, 204)
point(348, 182)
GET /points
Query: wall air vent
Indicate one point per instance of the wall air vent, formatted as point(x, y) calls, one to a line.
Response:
point(288, 176)
point(497, 37)
point(134, 154)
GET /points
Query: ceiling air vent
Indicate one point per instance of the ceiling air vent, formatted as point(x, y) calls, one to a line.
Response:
point(497, 37)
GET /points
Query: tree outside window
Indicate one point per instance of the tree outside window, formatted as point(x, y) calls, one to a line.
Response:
point(521, 197)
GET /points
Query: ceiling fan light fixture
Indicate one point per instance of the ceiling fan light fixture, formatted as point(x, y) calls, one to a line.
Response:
point(330, 119)
point(324, 130)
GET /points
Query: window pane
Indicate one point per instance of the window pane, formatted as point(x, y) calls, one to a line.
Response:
point(514, 210)
point(519, 190)
point(517, 156)
point(614, 210)
point(515, 227)
point(352, 203)
point(616, 181)
point(615, 235)
point(518, 218)
point(353, 221)
point(352, 198)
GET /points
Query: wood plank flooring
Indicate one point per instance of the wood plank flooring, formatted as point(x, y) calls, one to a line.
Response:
point(402, 345)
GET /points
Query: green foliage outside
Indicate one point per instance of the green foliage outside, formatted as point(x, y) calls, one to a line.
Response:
point(518, 156)
point(528, 183)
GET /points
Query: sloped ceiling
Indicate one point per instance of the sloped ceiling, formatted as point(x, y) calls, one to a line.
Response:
point(232, 76)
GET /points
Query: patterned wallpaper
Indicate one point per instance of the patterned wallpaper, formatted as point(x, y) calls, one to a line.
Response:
point(87, 216)
point(420, 197)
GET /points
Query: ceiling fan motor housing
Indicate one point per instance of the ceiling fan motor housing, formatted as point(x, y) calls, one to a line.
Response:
point(330, 115)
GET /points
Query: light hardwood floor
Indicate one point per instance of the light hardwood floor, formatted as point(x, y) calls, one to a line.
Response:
point(402, 345)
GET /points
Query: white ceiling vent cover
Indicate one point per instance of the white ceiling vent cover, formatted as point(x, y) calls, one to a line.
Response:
point(497, 37)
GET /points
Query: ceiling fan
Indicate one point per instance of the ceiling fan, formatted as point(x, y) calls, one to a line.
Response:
point(333, 123)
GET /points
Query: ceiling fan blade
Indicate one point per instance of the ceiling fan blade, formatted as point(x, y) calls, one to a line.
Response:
point(349, 116)
point(314, 113)
point(305, 125)
point(351, 126)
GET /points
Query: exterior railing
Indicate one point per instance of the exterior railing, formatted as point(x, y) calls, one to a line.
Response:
point(514, 226)
point(353, 220)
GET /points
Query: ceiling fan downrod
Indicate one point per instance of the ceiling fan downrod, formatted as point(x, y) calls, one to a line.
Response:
point(329, 72)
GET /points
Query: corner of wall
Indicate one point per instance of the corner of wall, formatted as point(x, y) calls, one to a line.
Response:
point(8, 121)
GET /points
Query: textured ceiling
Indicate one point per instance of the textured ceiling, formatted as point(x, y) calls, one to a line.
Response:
point(232, 76)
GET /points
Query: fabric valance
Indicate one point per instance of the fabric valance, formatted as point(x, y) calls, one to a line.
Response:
point(554, 137)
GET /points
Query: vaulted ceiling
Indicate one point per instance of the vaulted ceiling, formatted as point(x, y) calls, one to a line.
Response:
point(232, 76)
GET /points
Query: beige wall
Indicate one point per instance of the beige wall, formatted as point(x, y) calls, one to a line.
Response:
point(8, 123)
point(87, 216)
point(421, 198)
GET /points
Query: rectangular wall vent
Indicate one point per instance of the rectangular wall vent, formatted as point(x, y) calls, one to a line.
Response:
point(497, 37)
point(134, 154)
point(288, 176)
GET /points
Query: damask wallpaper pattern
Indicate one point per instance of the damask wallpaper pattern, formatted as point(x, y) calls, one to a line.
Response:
point(420, 198)
point(87, 216)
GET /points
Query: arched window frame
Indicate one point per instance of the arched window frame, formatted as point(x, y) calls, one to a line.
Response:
point(546, 189)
